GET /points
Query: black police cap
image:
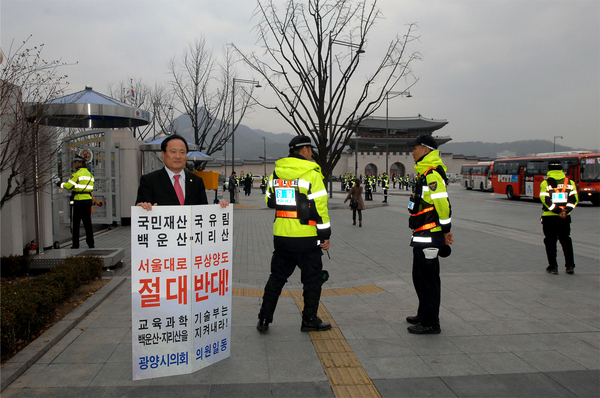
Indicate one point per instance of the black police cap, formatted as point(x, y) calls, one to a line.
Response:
point(426, 140)
point(299, 141)
point(554, 164)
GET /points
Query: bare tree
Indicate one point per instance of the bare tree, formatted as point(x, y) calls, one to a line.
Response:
point(163, 111)
point(309, 46)
point(27, 84)
point(204, 97)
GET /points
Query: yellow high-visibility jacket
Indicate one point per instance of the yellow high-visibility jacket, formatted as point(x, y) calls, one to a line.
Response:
point(81, 183)
point(555, 199)
point(433, 197)
point(302, 219)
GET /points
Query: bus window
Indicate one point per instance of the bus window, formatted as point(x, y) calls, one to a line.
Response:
point(534, 168)
point(499, 168)
point(512, 168)
point(590, 169)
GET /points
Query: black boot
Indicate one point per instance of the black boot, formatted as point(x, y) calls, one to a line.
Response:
point(263, 322)
point(265, 316)
point(310, 321)
point(314, 324)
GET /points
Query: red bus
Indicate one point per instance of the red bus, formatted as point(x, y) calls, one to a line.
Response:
point(517, 177)
point(477, 175)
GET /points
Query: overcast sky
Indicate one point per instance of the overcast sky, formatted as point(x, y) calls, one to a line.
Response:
point(495, 70)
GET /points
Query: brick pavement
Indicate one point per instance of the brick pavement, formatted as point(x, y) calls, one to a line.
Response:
point(508, 328)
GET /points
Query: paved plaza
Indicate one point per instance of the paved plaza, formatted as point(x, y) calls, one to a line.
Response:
point(509, 329)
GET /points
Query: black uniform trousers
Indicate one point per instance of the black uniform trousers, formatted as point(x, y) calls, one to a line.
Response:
point(232, 195)
point(426, 279)
point(283, 264)
point(82, 211)
point(558, 229)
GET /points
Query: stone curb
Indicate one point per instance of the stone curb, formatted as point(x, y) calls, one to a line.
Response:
point(18, 364)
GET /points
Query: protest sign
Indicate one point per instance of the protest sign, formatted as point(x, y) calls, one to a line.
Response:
point(180, 288)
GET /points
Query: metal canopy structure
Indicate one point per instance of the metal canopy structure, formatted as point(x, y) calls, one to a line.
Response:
point(89, 109)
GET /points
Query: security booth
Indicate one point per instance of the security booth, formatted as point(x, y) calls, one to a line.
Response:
point(107, 148)
point(102, 160)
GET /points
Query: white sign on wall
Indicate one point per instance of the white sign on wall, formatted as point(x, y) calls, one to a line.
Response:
point(180, 288)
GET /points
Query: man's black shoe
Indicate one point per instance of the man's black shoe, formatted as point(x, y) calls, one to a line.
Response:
point(413, 320)
point(314, 324)
point(263, 325)
point(570, 269)
point(420, 329)
point(552, 270)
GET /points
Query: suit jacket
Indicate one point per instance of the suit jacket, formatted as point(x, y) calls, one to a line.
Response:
point(156, 187)
point(232, 184)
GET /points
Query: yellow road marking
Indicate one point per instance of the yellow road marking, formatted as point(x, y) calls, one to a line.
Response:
point(346, 375)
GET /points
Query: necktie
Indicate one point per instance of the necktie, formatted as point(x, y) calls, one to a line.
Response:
point(178, 190)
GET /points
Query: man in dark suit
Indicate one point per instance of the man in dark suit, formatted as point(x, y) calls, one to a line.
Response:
point(172, 185)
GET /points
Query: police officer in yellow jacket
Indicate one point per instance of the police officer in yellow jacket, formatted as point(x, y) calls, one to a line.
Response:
point(430, 221)
point(81, 185)
point(385, 184)
point(559, 197)
point(301, 230)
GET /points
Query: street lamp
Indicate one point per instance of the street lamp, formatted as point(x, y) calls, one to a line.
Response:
point(356, 153)
point(225, 158)
point(245, 81)
point(555, 137)
point(359, 50)
point(264, 158)
point(387, 130)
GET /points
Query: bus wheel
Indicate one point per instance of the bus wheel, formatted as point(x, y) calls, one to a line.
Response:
point(467, 185)
point(595, 200)
point(510, 194)
point(481, 186)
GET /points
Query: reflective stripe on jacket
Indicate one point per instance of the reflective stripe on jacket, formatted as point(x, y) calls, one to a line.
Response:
point(561, 197)
point(434, 210)
point(81, 184)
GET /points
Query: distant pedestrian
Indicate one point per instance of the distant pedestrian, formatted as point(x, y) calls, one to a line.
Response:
point(248, 184)
point(368, 188)
point(263, 183)
point(430, 211)
point(559, 197)
point(355, 197)
point(385, 184)
point(231, 187)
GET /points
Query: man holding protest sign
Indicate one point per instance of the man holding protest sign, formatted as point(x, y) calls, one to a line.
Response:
point(172, 185)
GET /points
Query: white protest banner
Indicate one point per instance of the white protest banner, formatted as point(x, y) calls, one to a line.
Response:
point(180, 288)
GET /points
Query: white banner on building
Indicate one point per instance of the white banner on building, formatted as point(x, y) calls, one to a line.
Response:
point(180, 288)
